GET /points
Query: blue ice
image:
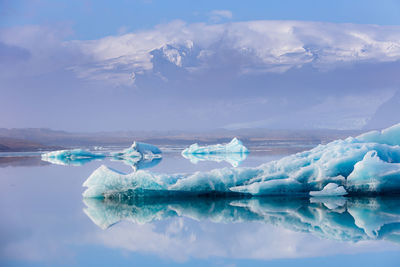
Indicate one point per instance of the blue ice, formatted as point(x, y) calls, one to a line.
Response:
point(369, 163)
point(329, 190)
point(338, 218)
point(74, 157)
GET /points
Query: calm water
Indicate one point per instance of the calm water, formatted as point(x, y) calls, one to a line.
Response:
point(46, 222)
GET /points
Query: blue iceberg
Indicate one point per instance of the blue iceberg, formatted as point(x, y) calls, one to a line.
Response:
point(367, 164)
point(74, 157)
point(329, 190)
point(234, 146)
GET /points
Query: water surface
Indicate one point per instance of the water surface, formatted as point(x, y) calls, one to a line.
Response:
point(46, 222)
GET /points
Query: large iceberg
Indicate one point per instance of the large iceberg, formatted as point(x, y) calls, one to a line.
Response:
point(234, 146)
point(74, 157)
point(351, 219)
point(367, 164)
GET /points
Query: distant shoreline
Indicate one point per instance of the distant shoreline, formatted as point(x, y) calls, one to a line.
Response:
point(36, 139)
point(8, 144)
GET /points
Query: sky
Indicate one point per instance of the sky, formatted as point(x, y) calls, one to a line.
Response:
point(185, 65)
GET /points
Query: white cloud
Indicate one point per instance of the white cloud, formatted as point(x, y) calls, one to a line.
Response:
point(265, 46)
point(261, 46)
point(205, 239)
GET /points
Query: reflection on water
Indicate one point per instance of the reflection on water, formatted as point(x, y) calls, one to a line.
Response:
point(232, 158)
point(19, 161)
point(70, 161)
point(139, 164)
point(136, 163)
point(43, 223)
point(338, 218)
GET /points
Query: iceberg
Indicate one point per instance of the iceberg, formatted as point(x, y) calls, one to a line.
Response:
point(353, 219)
point(138, 155)
point(75, 157)
point(367, 164)
point(232, 158)
point(234, 146)
point(138, 150)
point(330, 189)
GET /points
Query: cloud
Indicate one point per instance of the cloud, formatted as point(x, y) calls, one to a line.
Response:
point(333, 112)
point(253, 47)
point(306, 71)
point(10, 53)
point(218, 15)
point(35, 50)
point(263, 46)
point(204, 239)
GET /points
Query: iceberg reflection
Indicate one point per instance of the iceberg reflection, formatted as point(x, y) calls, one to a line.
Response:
point(135, 163)
point(337, 218)
point(138, 156)
point(73, 157)
point(233, 158)
point(138, 164)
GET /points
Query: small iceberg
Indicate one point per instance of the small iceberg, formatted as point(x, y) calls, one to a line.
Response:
point(75, 157)
point(232, 158)
point(329, 190)
point(138, 155)
point(138, 150)
point(234, 146)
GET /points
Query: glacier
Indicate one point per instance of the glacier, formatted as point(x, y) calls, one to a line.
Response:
point(75, 157)
point(366, 164)
point(345, 219)
point(234, 146)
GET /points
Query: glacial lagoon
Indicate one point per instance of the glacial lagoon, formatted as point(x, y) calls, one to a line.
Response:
point(47, 221)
